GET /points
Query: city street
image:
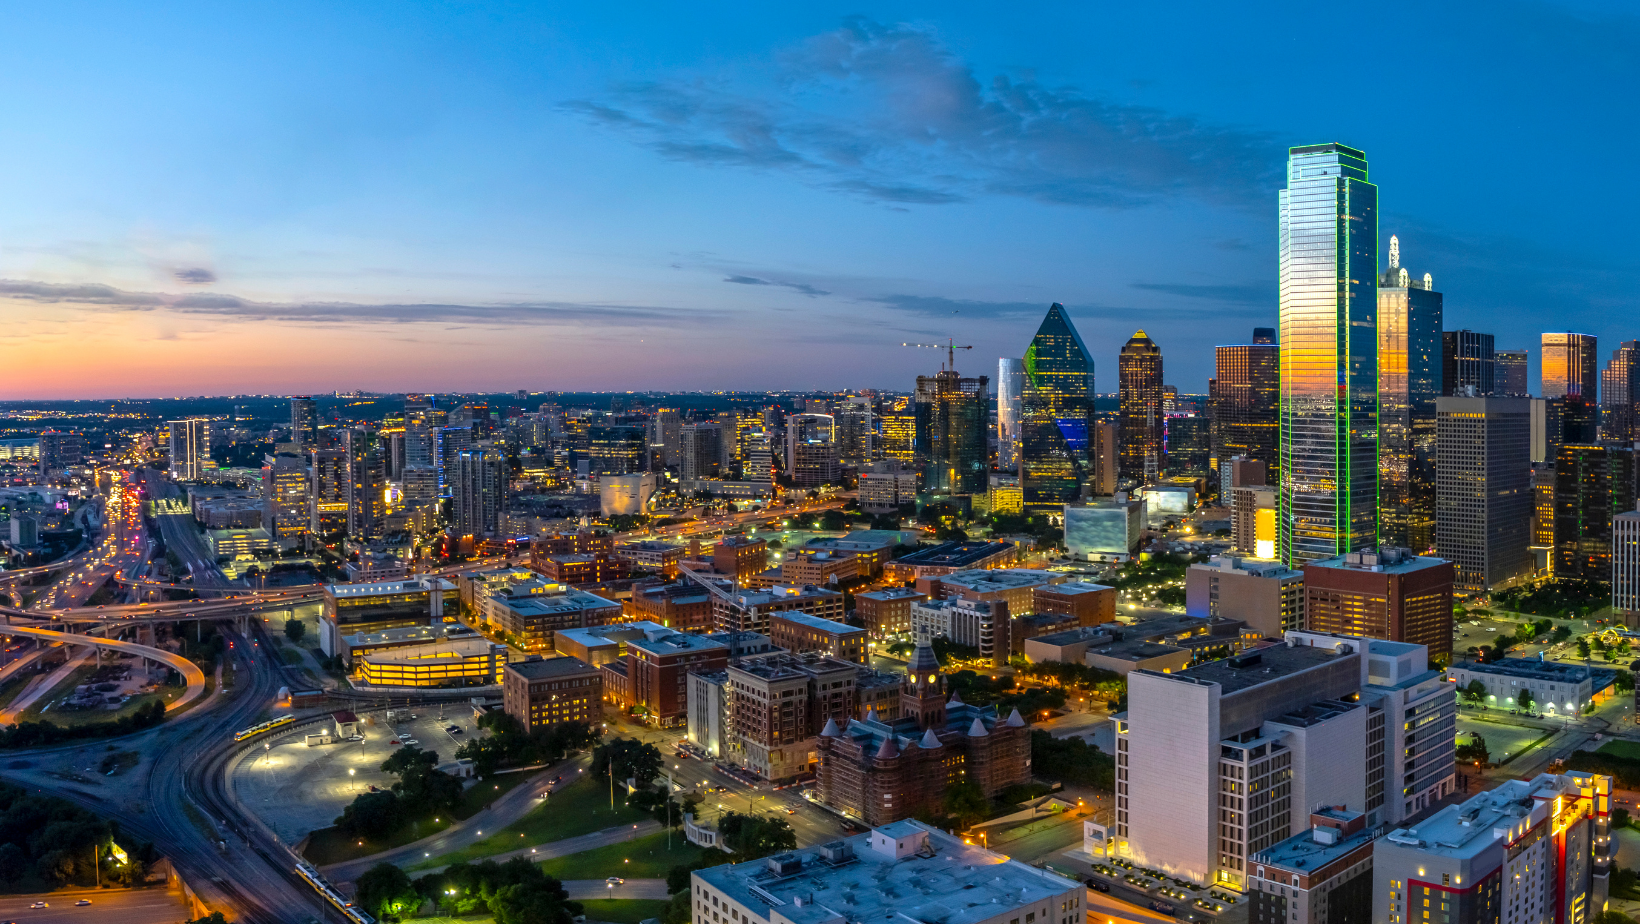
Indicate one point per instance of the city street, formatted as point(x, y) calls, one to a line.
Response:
point(154, 905)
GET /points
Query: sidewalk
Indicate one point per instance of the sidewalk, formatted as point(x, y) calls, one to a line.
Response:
point(583, 889)
point(571, 845)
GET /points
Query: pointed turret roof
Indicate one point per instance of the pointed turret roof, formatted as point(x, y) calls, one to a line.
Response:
point(871, 715)
point(830, 731)
point(955, 700)
point(977, 730)
point(923, 661)
point(1014, 718)
point(890, 748)
point(929, 739)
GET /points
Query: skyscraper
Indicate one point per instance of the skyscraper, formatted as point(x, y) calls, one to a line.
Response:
point(1140, 369)
point(899, 434)
point(1409, 380)
point(304, 422)
point(700, 450)
point(1010, 397)
point(1189, 446)
point(285, 492)
point(1483, 520)
point(1058, 412)
point(1593, 484)
point(447, 442)
point(478, 491)
point(1571, 365)
point(617, 449)
point(190, 447)
point(1620, 393)
point(1468, 363)
point(1245, 397)
point(1329, 354)
point(366, 483)
point(811, 450)
point(1509, 373)
point(952, 413)
point(328, 494)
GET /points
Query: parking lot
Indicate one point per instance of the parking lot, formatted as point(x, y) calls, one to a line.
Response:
point(296, 789)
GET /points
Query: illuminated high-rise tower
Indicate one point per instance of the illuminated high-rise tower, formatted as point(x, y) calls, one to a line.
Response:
point(1620, 393)
point(1245, 396)
point(1571, 366)
point(1139, 368)
point(1057, 415)
point(1010, 395)
point(1410, 364)
point(1329, 354)
point(950, 439)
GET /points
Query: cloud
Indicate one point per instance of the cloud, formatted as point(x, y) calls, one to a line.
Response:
point(804, 288)
point(938, 306)
point(528, 313)
point(888, 114)
point(194, 276)
point(1249, 294)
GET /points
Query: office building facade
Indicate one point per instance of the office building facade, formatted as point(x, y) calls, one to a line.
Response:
point(1010, 408)
point(1594, 483)
point(366, 488)
point(1570, 365)
point(1484, 490)
point(190, 448)
point(1386, 593)
point(1620, 393)
point(304, 423)
point(285, 496)
point(1626, 567)
point(1245, 402)
point(1058, 412)
point(951, 447)
point(1468, 363)
point(1533, 850)
point(1140, 416)
point(1329, 347)
point(1409, 380)
point(479, 491)
point(1509, 374)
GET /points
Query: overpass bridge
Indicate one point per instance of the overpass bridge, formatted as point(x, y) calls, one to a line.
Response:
point(190, 671)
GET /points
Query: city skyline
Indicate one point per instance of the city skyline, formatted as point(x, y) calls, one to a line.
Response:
point(560, 190)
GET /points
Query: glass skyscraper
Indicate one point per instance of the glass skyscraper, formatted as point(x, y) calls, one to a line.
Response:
point(1139, 368)
point(952, 413)
point(1058, 415)
point(1509, 373)
point(1010, 397)
point(1570, 365)
point(1329, 354)
point(1410, 363)
point(1245, 398)
point(1620, 393)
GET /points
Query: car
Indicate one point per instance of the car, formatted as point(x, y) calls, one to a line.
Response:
point(615, 881)
point(355, 737)
point(791, 811)
point(82, 903)
point(41, 905)
point(394, 742)
point(412, 742)
point(455, 730)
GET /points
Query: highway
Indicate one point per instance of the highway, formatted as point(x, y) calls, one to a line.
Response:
point(157, 905)
point(190, 671)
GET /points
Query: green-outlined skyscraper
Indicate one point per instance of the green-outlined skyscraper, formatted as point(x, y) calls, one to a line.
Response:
point(1329, 354)
point(1058, 415)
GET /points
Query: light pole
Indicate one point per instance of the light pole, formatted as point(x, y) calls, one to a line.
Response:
point(350, 772)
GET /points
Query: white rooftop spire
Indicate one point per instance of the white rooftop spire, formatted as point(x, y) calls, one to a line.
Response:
point(1394, 252)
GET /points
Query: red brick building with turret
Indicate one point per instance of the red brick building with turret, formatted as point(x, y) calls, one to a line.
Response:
point(882, 772)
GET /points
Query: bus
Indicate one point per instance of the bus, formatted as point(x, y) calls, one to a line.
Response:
point(267, 726)
point(312, 877)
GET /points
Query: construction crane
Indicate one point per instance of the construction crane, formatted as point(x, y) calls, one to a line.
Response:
point(950, 346)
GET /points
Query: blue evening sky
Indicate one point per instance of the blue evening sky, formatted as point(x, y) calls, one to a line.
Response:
point(208, 198)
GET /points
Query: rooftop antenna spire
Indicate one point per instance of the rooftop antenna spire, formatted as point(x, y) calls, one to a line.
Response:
point(1394, 252)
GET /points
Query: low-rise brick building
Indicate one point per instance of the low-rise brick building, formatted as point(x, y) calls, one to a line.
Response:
point(543, 692)
point(888, 611)
point(802, 632)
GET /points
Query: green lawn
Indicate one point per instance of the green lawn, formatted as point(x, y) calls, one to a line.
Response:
point(327, 845)
point(646, 857)
point(582, 807)
point(1628, 750)
point(623, 910)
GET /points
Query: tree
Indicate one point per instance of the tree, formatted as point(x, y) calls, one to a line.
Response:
point(1476, 691)
point(834, 520)
point(1524, 700)
point(294, 630)
point(1474, 752)
point(629, 758)
point(1583, 648)
point(751, 837)
point(1620, 818)
point(386, 891)
point(965, 801)
point(373, 815)
point(1624, 682)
